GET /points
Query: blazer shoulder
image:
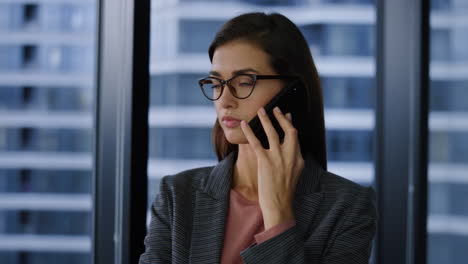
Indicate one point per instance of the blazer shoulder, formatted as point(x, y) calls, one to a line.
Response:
point(185, 181)
point(350, 209)
point(342, 192)
point(336, 184)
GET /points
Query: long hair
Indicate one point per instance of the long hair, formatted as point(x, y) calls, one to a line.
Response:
point(288, 53)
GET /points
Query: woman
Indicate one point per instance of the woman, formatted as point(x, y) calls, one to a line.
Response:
point(276, 205)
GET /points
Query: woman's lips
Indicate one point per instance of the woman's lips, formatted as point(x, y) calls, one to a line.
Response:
point(230, 121)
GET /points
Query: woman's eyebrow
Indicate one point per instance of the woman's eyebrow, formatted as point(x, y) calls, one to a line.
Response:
point(215, 73)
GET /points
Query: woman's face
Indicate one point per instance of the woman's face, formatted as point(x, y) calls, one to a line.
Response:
point(236, 56)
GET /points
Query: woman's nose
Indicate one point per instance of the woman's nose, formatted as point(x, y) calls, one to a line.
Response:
point(227, 99)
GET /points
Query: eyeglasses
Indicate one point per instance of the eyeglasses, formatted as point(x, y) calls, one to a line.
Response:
point(241, 85)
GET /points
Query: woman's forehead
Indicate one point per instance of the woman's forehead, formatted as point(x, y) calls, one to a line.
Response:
point(236, 72)
point(234, 57)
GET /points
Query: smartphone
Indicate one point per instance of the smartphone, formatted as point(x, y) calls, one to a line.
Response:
point(291, 99)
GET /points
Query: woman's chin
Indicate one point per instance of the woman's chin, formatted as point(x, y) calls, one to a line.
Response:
point(236, 138)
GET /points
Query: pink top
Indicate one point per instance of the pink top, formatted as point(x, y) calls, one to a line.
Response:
point(244, 227)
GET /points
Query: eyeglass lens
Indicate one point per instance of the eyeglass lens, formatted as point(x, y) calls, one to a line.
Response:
point(242, 86)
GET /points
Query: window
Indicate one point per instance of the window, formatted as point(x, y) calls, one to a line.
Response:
point(342, 43)
point(447, 225)
point(46, 104)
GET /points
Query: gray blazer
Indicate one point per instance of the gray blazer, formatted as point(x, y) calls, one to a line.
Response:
point(335, 219)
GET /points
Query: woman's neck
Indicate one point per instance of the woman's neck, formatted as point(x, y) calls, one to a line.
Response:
point(245, 170)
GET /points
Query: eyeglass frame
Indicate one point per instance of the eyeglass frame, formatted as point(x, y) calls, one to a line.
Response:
point(255, 77)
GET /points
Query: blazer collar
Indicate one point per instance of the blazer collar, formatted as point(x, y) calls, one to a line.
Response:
point(218, 183)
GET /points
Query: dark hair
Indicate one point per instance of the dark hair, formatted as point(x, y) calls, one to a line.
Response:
point(289, 53)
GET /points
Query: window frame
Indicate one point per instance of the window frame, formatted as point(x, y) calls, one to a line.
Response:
point(121, 136)
point(401, 151)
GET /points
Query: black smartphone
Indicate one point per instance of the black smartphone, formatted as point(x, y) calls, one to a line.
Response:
point(291, 99)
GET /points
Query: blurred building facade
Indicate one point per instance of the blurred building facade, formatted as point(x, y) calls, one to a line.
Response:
point(47, 56)
point(448, 133)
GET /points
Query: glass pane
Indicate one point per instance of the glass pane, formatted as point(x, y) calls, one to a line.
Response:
point(448, 133)
point(341, 36)
point(47, 76)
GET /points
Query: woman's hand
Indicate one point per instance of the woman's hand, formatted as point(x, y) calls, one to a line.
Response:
point(278, 168)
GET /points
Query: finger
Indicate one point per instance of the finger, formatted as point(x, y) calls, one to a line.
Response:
point(290, 132)
point(252, 139)
point(270, 131)
point(300, 165)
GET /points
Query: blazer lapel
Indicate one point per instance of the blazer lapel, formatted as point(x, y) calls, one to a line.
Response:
point(305, 210)
point(208, 229)
point(211, 207)
point(212, 204)
point(308, 195)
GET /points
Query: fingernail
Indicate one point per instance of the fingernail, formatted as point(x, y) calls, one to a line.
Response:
point(262, 111)
point(289, 116)
point(277, 109)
